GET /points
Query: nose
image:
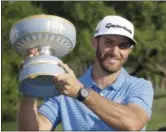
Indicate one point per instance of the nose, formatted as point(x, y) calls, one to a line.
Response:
point(114, 48)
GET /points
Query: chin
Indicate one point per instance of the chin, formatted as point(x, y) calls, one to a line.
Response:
point(111, 68)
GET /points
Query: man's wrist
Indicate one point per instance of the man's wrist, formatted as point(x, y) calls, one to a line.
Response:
point(83, 94)
point(28, 98)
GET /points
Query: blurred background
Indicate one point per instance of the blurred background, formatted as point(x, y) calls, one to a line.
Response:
point(148, 59)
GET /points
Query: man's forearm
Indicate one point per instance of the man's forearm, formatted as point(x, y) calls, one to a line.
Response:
point(28, 115)
point(116, 115)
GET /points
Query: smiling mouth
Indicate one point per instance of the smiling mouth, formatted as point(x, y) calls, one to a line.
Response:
point(112, 60)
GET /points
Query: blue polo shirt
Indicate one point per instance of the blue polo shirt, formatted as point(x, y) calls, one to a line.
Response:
point(74, 115)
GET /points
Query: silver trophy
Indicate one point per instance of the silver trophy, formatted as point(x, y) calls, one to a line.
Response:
point(54, 37)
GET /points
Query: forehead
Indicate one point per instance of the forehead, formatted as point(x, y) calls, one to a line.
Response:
point(118, 38)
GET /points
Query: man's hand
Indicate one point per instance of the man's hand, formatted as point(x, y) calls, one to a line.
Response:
point(30, 53)
point(67, 83)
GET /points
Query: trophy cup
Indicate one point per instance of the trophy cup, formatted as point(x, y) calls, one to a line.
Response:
point(54, 37)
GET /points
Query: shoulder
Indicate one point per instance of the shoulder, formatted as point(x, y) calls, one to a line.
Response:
point(140, 85)
point(133, 82)
point(138, 81)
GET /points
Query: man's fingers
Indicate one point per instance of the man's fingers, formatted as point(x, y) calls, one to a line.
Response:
point(63, 89)
point(32, 52)
point(62, 77)
point(65, 67)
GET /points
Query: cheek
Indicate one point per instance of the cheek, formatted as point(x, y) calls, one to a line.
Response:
point(102, 50)
point(105, 50)
point(124, 54)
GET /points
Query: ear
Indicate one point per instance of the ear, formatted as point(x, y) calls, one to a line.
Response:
point(130, 50)
point(94, 42)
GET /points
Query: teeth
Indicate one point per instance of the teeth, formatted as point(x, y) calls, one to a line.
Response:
point(113, 60)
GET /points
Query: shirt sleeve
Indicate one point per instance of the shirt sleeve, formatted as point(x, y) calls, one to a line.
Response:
point(142, 95)
point(50, 109)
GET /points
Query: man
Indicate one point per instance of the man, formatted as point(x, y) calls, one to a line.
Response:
point(106, 97)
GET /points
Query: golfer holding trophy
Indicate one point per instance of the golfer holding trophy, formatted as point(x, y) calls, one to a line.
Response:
point(104, 98)
point(53, 37)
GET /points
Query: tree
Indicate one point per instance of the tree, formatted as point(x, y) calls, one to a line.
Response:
point(11, 12)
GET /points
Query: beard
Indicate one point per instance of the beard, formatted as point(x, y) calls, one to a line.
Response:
point(107, 67)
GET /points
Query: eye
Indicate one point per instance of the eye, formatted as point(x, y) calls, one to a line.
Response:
point(109, 42)
point(125, 45)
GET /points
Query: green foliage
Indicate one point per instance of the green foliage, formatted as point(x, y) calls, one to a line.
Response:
point(158, 117)
point(11, 12)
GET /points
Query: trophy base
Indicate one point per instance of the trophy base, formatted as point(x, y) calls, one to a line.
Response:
point(38, 88)
point(36, 79)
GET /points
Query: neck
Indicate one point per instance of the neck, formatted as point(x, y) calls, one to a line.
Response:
point(102, 78)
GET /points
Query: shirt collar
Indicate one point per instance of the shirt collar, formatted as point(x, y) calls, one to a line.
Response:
point(121, 79)
point(89, 82)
